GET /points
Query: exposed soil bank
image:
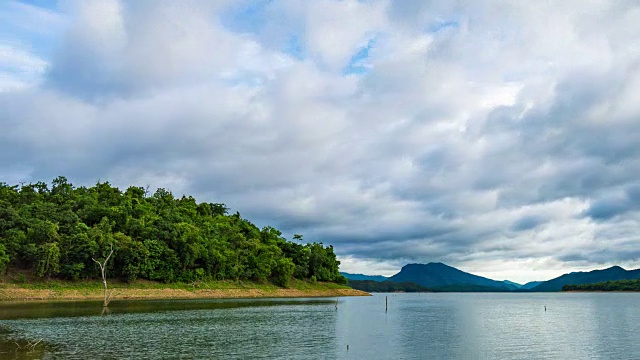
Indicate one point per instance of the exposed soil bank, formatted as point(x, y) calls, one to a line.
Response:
point(11, 292)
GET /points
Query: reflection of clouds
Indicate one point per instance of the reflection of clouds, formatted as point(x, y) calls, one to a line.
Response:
point(489, 325)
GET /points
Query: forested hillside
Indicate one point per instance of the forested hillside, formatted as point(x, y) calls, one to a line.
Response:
point(55, 231)
point(613, 273)
point(620, 285)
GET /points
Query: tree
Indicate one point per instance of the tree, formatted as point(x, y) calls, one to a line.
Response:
point(55, 231)
point(104, 277)
point(4, 258)
point(283, 272)
point(48, 259)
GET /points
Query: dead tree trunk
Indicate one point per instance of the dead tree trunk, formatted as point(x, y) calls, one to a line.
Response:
point(103, 265)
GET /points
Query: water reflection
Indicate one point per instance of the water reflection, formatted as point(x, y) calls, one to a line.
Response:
point(46, 309)
point(22, 349)
point(416, 326)
point(169, 329)
point(491, 326)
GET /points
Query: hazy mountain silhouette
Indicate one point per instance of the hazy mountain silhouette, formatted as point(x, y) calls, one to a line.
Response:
point(531, 284)
point(364, 277)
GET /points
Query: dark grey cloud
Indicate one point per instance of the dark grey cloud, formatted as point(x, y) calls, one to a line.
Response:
point(606, 209)
point(527, 223)
point(610, 205)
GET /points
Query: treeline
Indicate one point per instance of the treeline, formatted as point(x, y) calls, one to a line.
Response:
point(619, 285)
point(55, 232)
point(386, 286)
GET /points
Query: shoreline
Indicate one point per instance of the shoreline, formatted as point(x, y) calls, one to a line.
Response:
point(14, 292)
point(599, 291)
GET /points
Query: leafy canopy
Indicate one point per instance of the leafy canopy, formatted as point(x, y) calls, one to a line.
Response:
point(55, 232)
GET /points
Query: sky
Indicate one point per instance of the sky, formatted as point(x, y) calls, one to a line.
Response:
point(499, 137)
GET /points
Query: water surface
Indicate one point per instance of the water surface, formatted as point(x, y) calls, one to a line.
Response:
point(416, 326)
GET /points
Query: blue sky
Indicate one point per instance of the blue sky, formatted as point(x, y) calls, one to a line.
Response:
point(498, 137)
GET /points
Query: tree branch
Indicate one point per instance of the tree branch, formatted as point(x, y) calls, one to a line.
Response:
point(104, 276)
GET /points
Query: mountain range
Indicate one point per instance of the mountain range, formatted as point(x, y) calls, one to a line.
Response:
point(439, 275)
point(442, 277)
point(379, 278)
point(589, 277)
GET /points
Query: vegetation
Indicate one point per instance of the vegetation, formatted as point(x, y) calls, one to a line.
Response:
point(386, 286)
point(53, 233)
point(57, 289)
point(613, 273)
point(620, 285)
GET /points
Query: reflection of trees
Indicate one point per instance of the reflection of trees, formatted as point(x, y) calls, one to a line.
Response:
point(22, 348)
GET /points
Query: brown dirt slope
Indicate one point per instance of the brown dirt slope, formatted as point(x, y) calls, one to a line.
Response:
point(15, 293)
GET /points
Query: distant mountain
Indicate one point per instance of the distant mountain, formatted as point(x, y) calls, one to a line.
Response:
point(444, 278)
point(595, 276)
point(512, 285)
point(531, 284)
point(385, 286)
point(364, 277)
point(438, 276)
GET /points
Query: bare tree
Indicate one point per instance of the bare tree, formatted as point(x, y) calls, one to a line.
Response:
point(104, 277)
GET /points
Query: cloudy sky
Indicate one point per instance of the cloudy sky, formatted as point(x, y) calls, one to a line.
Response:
point(500, 137)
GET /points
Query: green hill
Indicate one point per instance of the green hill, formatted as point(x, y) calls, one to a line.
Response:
point(54, 232)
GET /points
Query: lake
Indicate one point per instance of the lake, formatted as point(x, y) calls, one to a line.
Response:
point(416, 326)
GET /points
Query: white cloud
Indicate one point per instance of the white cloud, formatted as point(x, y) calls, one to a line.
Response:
point(492, 143)
point(19, 68)
point(336, 30)
point(30, 19)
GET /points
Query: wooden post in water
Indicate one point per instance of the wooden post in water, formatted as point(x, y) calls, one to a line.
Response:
point(386, 303)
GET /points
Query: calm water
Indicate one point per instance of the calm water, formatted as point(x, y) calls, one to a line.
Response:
point(416, 326)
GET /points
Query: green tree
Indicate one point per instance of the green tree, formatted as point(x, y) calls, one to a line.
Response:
point(48, 259)
point(4, 258)
point(55, 230)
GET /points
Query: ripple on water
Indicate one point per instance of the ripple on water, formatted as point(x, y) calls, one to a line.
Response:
point(416, 326)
